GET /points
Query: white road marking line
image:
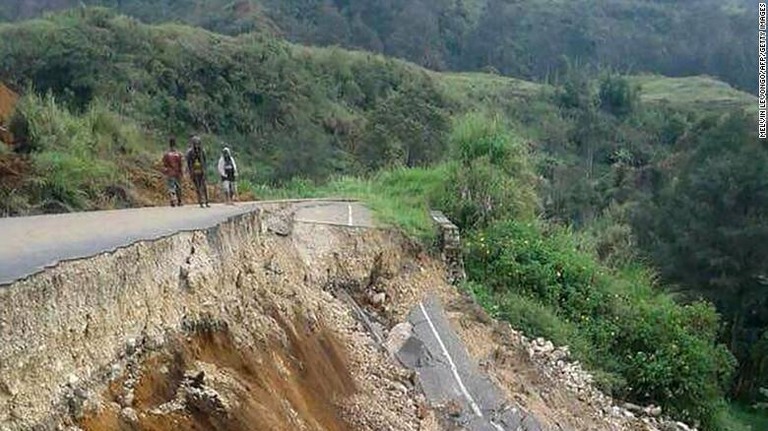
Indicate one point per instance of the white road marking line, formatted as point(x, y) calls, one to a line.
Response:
point(454, 369)
point(349, 214)
point(497, 426)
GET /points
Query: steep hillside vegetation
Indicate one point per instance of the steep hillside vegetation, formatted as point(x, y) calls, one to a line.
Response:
point(516, 164)
point(304, 111)
point(588, 288)
point(114, 86)
point(532, 39)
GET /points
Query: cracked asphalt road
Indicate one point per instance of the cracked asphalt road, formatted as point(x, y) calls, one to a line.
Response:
point(30, 244)
point(447, 374)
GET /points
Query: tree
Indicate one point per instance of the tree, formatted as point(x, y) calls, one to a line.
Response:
point(416, 35)
point(710, 229)
point(407, 129)
point(617, 96)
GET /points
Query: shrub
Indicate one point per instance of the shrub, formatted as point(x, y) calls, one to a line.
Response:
point(617, 95)
point(74, 157)
point(660, 351)
point(492, 178)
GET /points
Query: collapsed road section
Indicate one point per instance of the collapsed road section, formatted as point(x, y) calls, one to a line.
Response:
point(282, 317)
point(222, 325)
point(449, 376)
point(31, 244)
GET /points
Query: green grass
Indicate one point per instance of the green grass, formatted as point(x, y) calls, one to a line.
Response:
point(745, 418)
point(75, 156)
point(398, 197)
point(700, 92)
point(479, 87)
point(694, 92)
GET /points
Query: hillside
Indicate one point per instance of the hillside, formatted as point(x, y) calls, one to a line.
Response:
point(571, 194)
point(700, 92)
point(106, 83)
point(522, 39)
point(288, 110)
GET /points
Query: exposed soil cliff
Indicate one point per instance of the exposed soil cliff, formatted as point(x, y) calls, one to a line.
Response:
point(254, 325)
point(8, 101)
point(242, 305)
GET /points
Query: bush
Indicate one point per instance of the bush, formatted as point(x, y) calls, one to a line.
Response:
point(656, 350)
point(74, 157)
point(492, 178)
point(617, 95)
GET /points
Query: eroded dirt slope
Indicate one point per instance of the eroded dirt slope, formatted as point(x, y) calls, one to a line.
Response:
point(119, 341)
point(255, 325)
point(206, 382)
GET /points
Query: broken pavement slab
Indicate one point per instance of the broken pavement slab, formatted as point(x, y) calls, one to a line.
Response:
point(448, 376)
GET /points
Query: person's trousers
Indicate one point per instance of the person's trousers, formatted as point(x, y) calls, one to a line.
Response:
point(230, 188)
point(174, 188)
point(200, 188)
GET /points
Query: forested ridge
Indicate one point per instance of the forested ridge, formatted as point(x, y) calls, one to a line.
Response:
point(526, 39)
point(622, 214)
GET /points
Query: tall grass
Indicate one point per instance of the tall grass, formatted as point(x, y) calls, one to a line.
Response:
point(745, 418)
point(75, 157)
point(399, 197)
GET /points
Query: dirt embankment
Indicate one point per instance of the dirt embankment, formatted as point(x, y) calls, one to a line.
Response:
point(249, 326)
point(230, 328)
point(205, 382)
point(8, 100)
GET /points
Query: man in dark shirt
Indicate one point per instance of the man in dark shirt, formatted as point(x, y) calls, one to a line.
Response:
point(196, 165)
point(173, 162)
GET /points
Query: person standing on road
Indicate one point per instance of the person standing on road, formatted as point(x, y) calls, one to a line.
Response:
point(196, 165)
point(173, 162)
point(228, 171)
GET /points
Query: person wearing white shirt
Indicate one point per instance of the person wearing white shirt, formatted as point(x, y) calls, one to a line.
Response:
point(228, 172)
